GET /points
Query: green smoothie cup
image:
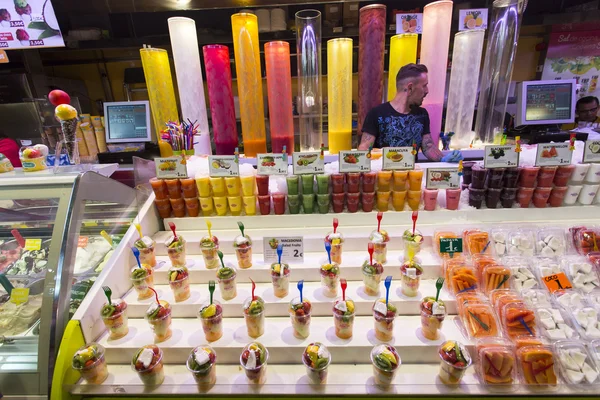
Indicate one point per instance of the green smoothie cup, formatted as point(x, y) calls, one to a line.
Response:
point(323, 203)
point(294, 202)
point(308, 182)
point(292, 184)
point(322, 184)
point(308, 203)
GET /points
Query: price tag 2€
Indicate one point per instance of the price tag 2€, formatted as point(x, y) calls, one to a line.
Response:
point(19, 295)
point(33, 244)
point(557, 282)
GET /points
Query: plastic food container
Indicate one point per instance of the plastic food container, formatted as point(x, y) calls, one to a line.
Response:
point(454, 361)
point(581, 273)
point(521, 242)
point(89, 361)
point(202, 364)
point(152, 374)
point(551, 242)
point(536, 366)
point(497, 362)
point(555, 323)
point(586, 240)
point(476, 241)
point(577, 366)
point(523, 278)
point(518, 319)
point(495, 276)
point(587, 321)
point(568, 299)
point(537, 298)
point(471, 297)
point(462, 279)
point(499, 238)
point(479, 320)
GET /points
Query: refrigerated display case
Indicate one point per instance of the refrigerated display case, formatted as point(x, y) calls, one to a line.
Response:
point(49, 241)
point(350, 372)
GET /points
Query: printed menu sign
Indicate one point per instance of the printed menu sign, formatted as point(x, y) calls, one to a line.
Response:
point(272, 164)
point(442, 178)
point(223, 166)
point(355, 161)
point(308, 162)
point(591, 151)
point(500, 157)
point(28, 24)
point(398, 158)
point(170, 167)
point(409, 23)
point(472, 19)
point(551, 154)
point(293, 249)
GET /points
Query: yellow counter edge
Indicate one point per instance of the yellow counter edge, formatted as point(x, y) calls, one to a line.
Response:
point(63, 373)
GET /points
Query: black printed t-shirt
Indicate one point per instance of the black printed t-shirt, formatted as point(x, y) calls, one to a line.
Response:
point(393, 129)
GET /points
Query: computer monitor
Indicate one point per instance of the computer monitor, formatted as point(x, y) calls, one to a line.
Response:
point(127, 122)
point(546, 102)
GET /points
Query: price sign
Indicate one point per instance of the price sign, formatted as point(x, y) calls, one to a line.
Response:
point(557, 282)
point(442, 178)
point(398, 158)
point(19, 295)
point(551, 154)
point(409, 23)
point(33, 244)
point(223, 166)
point(82, 241)
point(293, 249)
point(355, 161)
point(308, 162)
point(170, 167)
point(271, 164)
point(451, 245)
point(472, 19)
point(591, 151)
point(500, 157)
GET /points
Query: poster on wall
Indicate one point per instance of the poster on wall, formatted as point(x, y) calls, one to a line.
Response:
point(575, 55)
point(28, 24)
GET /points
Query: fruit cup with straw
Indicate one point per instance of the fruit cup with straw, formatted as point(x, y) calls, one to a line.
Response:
point(179, 281)
point(159, 318)
point(243, 248)
point(175, 247)
point(226, 276)
point(146, 246)
point(385, 360)
point(411, 272)
point(343, 314)
point(142, 277)
point(379, 238)
point(147, 362)
point(211, 315)
point(254, 314)
point(300, 310)
point(371, 274)
point(384, 314)
point(114, 315)
point(316, 358)
point(280, 275)
point(202, 364)
point(209, 246)
point(90, 362)
point(330, 275)
point(412, 240)
point(433, 313)
point(335, 240)
point(253, 360)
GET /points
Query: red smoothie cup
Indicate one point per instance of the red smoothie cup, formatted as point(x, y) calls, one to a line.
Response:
point(353, 200)
point(368, 200)
point(353, 179)
point(278, 203)
point(476, 196)
point(563, 175)
point(468, 172)
point(546, 177)
point(524, 196)
point(541, 196)
point(164, 207)
point(478, 177)
point(178, 206)
point(528, 176)
point(494, 178)
point(338, 202)
point(262, 183)
point(160, 188)
point(508, 196)
point(368, 181)
point(557, 195)
point(510, 178)
point(264, 203)
point(492, 197)
point(337, 183)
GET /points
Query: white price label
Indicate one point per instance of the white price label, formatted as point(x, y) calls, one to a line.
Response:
point(170, 167)
point(442, 178)
point(398, 158)
point(355, 161)
point(500, 157)
point(472, 19)
point(293, 249)
point(409, 23)
point(272, 164)
point(309, 162)
point(551, 154)
point(591, 151)
point(223, 166)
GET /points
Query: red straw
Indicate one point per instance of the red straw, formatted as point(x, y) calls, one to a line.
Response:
point(379, 217)
point(253, 289)
point(415, 215)
point(335, 224)
point(17, 235)
point(155, 294)
point(344, 286)
point(371, 251)
point(172, 226)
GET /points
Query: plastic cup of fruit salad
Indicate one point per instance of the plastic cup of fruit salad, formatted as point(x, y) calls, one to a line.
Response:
point(280, 276)
point(384, 320)
point(89, 361)
point(202, 364)
point(148, 364)
point(253, 360)
point(385, 360)
point(254, 314)
point(454, 361)
point(316, 358)
point(300, 316)
point(114, 317)
point(211, 316)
